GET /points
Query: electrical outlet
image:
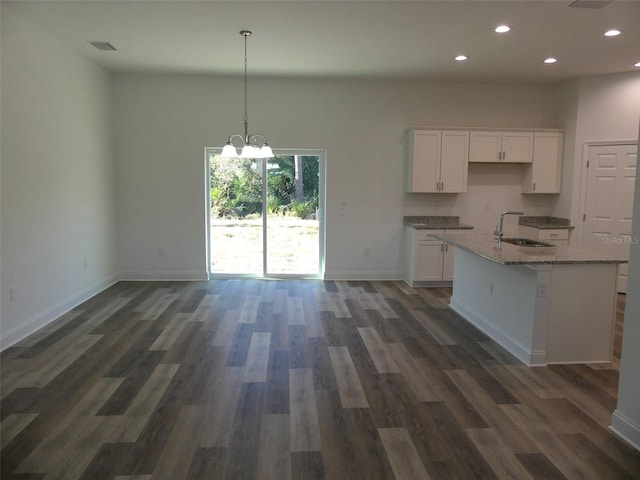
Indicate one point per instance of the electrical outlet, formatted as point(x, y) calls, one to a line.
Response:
point(343, 205)
point(542, 290)
point(366, 252)
point(161, 252)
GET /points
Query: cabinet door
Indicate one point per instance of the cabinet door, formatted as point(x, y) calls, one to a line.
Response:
point(485, 146)
point(454, 159)
point(447, 262)
point(517, 147)
point(424, 161)
point(428, 261)
point(546, 168)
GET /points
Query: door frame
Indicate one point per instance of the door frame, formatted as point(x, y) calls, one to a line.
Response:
point(322, 166)
point(584, 178)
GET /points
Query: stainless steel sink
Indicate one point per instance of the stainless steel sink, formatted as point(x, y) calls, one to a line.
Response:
point(525, 242)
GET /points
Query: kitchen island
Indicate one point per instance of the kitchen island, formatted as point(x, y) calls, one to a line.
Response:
point(544, 305)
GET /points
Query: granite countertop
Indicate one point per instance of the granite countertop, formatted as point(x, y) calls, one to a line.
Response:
point(486, 246)
point(545, 222)
point(436, 222)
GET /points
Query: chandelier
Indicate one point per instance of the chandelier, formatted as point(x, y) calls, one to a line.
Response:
point(253, 146)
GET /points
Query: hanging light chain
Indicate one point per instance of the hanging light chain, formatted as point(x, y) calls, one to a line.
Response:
point(250, 147)
point(245, 34)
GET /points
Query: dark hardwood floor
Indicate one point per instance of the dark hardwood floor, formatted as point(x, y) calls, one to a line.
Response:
point(295, 379)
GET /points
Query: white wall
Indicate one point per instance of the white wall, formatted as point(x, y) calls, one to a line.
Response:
point(163, 123)
point(594, 109)
point(567, 102)
point(58, 190)
point(626, 418)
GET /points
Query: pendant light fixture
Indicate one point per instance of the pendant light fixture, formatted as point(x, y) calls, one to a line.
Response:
point(250, 146)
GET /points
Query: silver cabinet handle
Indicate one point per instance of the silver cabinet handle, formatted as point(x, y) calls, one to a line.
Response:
point(534, 186)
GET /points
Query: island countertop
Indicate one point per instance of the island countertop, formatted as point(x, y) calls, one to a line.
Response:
point(486, 246)
point(437, 222)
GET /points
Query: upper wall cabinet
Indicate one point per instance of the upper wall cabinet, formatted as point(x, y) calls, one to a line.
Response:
point(437, 161)
point(544, 173)
point(508, 147)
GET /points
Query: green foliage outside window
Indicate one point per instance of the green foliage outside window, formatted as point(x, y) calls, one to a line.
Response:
point(236, 187)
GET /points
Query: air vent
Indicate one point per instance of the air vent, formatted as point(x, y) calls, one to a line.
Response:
point(590, 3)
point(106, 46)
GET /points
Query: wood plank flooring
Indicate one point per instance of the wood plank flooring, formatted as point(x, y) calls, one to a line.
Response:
point(295, 379)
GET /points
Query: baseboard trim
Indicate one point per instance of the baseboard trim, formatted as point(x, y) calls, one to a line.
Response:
point(531, 358)
point(430, 284)
point(164, 276)
point(42, 319)
point(363, 276)
point(627, 430)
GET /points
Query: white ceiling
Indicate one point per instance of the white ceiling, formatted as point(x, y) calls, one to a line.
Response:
point(379, 39)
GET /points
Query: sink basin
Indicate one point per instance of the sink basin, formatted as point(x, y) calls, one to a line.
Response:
point(525, 242)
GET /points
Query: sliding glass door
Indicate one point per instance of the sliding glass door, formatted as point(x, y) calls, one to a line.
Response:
point(265, 215)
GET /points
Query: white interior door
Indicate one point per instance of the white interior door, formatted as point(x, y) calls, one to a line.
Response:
point(611, 173)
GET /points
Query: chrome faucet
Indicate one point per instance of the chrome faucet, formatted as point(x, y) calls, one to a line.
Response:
point(499, 233)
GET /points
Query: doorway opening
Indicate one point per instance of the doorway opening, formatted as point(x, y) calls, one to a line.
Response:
point(265, 215)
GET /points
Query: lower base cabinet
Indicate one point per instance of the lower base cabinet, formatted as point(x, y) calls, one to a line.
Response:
point(428, 262)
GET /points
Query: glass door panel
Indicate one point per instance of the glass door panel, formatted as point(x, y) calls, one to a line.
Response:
point(293, 230)
point(236, 205)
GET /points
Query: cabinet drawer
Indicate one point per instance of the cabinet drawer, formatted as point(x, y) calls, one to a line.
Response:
point(424, 235)
point(553, 234)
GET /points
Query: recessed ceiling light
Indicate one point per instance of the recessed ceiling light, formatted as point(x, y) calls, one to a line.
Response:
point(637, 64)
point(612, 33)
point(550, 60)
point(502, 29)
point(461, 58)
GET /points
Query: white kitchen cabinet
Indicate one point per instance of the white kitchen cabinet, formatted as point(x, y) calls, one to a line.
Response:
point(506, 147)
point(427, 259)
point(555, 236)
point(437, 161)
point(544, 173)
